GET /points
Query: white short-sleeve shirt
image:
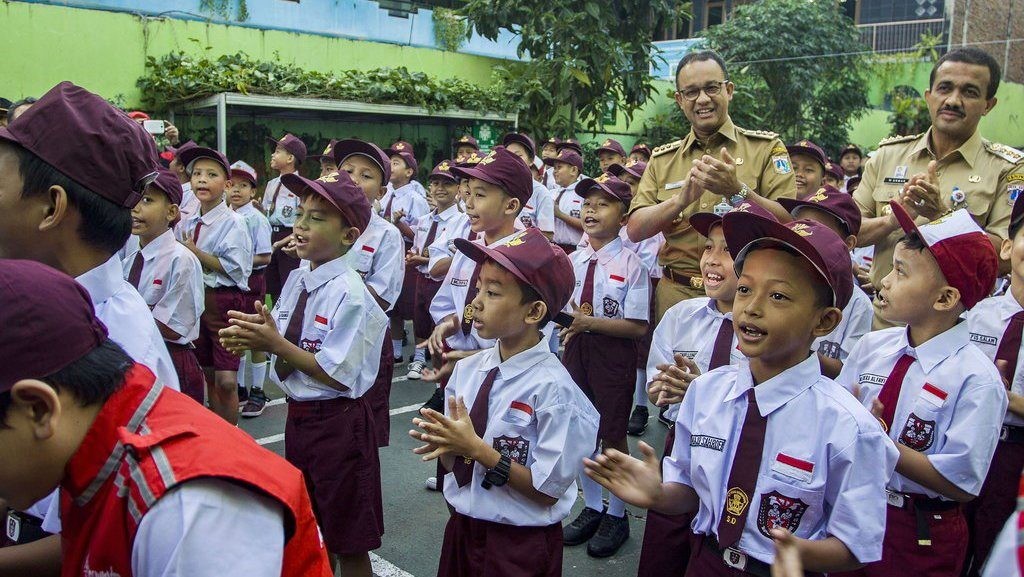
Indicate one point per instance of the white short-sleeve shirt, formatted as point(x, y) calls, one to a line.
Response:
point(539, 211)
point(444, 220)
point(951, 405)
point(1003, 560)
point(259, 230)
point(379, 257)
point(823, 469)
point(171, 283)
point(287, 203)
point(189, 205)
point(408, 200)
point(856, 323)
point(569, 203)
point(224, 236)
point(646, 249)
point(621, 283)
point(987, 321)
point(444, 245)
point(540, 419)
point(342, 326)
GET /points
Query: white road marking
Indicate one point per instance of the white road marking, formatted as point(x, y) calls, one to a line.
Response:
point(405, 409)
point(384, 568)
point(271, 439)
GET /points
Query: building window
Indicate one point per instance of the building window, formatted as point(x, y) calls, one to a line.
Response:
point(851, 9)
point(714, 14)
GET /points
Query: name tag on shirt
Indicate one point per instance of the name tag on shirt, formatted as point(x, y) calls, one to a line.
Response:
point(869, 379)
point(518, 413)
point(672, 185)
point(793, 468)
point(984, 339)
point(934, 395)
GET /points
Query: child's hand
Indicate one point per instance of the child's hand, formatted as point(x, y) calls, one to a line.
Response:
point(448, 361)
point(428, 450)
point(630, 479)
point(188, 243)
point(877, 408)
point(444, 329)
point(247, 332)
point(397, 215)
point(787, 555)
point(171, 132)
point(454, 434)
point(669, 385)
point(581, 323)
point(1004, 371)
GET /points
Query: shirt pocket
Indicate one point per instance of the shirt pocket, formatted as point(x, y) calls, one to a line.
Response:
point(613, 299)
point(787, 504)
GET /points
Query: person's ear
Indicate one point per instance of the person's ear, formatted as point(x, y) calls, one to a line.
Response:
point(173, 212)
point(1005, 249)
point(625, 216)
point(536, 313)
point(949, 297)
point(38, 405)
point(989, 105)
point(851, 242)
point(513, 206)
point(57, 208)
point(350, 236)
point(828, 321)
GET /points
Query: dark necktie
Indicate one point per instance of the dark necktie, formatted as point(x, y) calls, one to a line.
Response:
point(293, 334)
point(587, 294)
point(473, 235)
point(1009, 345)
point(195, 233)
point(721, 354)
point(467, 309)
point(430, 236)
point(889, 396)
point(387, 209)
point(559, 198)
point(273, 199)
point(135, 274)
point(743, 475)
point(463, 467)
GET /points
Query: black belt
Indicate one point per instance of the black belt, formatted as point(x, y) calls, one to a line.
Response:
point(21, 528)
point(1011, 434)
point(683, 279)
point(736, 559)
point(279, 228)
point(921, 506)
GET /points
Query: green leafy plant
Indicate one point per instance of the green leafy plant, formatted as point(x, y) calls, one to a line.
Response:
point(450, 29)
point(909, 115)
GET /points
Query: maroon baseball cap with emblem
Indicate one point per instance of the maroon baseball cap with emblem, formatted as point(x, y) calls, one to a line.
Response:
point(702, 222)
point(175, 151)
point(51, 326)
point(829, 199)
point(613, 146)
point(504, 169)
point(520, 139)
point(827, 253)
point(349, 146)
point(566, 156)
point(187, 157)
point(403, 150)
point(167, 182)
point(571, 144)
point(89, 141)
point(808, 148)
point(642, 149)
point(328, 152)
point(851, 148)
point(400, 146)
point(466, 140)
point(834, 170)
point(633, 168)
point(293, 145)
point(339, 190)
point(443, 171)
point(531, 258)
point(552, 142)
point(609, 185)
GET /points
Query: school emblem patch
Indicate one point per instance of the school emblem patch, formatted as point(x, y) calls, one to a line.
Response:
point(515, 448)
point(778, 510)
point(287, 211)
point(918, 434)
point(526, 220)
point(310, 346)
point(611, 307)
point(781, 164)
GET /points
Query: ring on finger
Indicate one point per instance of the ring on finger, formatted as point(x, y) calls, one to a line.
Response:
point(919, 202)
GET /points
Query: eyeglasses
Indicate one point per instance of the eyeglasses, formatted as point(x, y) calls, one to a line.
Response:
point(711, 90)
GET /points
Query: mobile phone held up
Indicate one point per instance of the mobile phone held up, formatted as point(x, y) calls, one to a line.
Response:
point(155, 127)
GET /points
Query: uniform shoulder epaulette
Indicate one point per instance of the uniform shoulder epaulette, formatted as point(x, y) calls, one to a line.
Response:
point(659, 150)
point(896, 139)
point(763, 134)
point(1005, 152)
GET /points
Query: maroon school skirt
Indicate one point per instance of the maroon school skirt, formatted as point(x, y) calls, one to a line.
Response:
point(191, 380)
point(475, 548)
point(403, 308)
point(422, 322)
point(997, 500)
point(379, 395)
point(219, 301)
point(334, 444)
point(605, 368)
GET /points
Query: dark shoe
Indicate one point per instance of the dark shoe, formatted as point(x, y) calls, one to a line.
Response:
point(243, 396)
point(436, 401)
point(663, 419)
point(638, 421)
point(582, 527)
point(257, 402)
point(612, 533)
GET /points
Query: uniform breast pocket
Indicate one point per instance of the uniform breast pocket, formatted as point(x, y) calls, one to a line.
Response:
point(919, 432)
point(614, 295)
point(786, 505)
point(365, 261)
point(517, 433)
point(882, 195)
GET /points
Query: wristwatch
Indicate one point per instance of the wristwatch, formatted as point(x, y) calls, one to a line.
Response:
point(738, 198)
point(497, 476)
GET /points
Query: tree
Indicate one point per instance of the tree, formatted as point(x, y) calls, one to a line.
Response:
point(583, 56)
point(797, 67)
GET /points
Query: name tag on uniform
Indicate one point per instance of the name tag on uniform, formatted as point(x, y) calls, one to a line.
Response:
point(934, 395)
point(672, 185)
point(283, 315)
point(895, 180)
point(984, 339)
point(868, 378)
point(793, 468)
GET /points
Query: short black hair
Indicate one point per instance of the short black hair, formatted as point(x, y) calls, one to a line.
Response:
point(22, 102)
point(104, 226)
point(976, 56)
point(701, 56)
point(913, 241)
point(90, 380)
point(1015, 227)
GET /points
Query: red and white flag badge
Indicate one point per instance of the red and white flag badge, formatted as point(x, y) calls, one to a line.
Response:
point(934, 395)
point(320, 322)
point(793, 467)
point(519, 413)
point(616, 278)
point(158, 281)
point(368, 248)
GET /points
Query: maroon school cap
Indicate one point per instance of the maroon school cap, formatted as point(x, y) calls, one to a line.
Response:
point(553, 142)
point(851, 148)
point(566, 156)
point(829, 199)
point(613, 146)
point(960, 247)
point(466, 140)
point(292, 144)
point(89, 141)
point(242, 169)
point(520, 139)
point(608, 184)
point(531, 258)
point(328, 152)
point(51, 325)
point(504, 169)
point(470, 161)
point(175, 151)
point(571, 144)
point(187, 157)
point(443, 171)
point(827, 253)
point(407, 158)
point(339, 190)
point(642, 149)
point(349, 146)
point(833, 169)
point(634, 168)
point(400, 146)
point(167, 182)
point(808, 148)
point(852, 184)
point(703, 221)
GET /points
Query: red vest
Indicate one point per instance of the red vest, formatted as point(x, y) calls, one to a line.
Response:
point(148, 439)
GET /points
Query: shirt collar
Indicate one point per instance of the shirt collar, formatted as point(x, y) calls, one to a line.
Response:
point(778, 390)
point(319, 276)
point(717, 313)
point(1007, 305)
point(607, 252)
point(727, 130)
point(157, 245)
point(218, 212)
point(448, 213)
point(404, 189)
point(938, 348)
point(969, 150)
point(518, 363)
point(103, 281)
point(499, 241)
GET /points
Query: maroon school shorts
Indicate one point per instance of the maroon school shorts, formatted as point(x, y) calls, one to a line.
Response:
point(219, 301)
point(334, 445)
point(422, 322)
point(403, 308)
point(191, 380)
point(667, 538)
point(987, 514)
point(281, 264)
point(257, 291)
point(475, 548)
point(707, 561)
point(605, 368)
point(379, 395)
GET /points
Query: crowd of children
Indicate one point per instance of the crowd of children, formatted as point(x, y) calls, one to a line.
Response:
point(799, 440)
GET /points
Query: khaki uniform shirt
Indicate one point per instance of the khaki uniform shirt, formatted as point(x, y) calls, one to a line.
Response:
point(990, 175)
point(762, 163)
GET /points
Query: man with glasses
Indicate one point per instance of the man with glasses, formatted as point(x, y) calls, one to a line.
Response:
point(715, 167)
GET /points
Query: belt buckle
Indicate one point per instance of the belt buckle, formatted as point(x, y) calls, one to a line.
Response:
point(895, 499)
point(696, 282)
point(735, 558)
point(1004, 433)
point(13, 527)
